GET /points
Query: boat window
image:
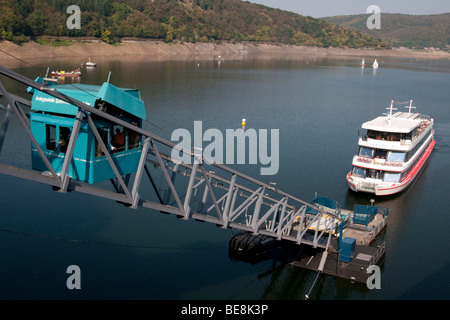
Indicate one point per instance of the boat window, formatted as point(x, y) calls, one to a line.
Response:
point(363, 151)
point(64, 137)
point(408, 156)
point(384, 136)
point(50, 137)
point(374, 174)
point(380, 153)
point(392, 177)
point(394, 136)
point(134, 139)
point(104, 134)
point(407, 136)
point(373, 134)
point(359, 172)
point(396, 156)
point(118, 140)
point(381, 135)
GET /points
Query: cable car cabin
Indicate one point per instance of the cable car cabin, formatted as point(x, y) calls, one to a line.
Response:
point(52, 121)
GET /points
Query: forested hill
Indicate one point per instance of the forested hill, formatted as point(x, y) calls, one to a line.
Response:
point(403, 30)
point(169, 20)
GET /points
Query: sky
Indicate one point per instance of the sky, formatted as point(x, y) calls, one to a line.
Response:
point(325, 8)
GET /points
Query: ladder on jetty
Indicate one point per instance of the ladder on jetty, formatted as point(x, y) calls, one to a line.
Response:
point(206, 192)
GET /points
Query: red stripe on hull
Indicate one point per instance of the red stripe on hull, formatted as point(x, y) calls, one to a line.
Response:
point(416, 169)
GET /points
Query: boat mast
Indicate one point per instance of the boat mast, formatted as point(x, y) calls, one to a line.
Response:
point(410, 106)
point(391, 108)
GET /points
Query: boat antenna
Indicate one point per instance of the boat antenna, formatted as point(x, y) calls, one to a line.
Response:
point(410, 106)
point(109, 77)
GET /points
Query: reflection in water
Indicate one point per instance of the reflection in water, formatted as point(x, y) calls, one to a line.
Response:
point(66, 80)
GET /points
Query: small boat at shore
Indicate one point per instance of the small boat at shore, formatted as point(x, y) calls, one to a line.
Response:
point(73, 73)
point(392, 152)
point(89, 63)
point(363, 63)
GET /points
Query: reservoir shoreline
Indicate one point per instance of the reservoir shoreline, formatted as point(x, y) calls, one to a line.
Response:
point(33, 52)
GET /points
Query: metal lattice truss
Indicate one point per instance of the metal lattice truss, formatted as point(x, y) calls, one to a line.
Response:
point(198, 190)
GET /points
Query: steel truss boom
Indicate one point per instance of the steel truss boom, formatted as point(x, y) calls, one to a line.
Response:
point(197, 190)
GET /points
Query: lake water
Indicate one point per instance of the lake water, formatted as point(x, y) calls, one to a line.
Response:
point(318, 107)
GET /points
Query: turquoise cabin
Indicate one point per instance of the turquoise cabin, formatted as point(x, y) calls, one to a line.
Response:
point(52, 120)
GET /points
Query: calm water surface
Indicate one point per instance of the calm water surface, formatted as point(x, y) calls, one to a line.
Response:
point(317, 106)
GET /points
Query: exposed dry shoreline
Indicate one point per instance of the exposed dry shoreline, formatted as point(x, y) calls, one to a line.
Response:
point(157, 50)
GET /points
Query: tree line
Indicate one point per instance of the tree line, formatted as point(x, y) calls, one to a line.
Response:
point(170, 20)
point(403, 30)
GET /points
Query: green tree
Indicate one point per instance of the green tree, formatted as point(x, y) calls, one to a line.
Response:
point(38, 23)
point(106, 36)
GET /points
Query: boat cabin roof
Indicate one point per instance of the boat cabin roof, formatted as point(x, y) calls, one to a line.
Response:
point(125, 99)
point(400, 122)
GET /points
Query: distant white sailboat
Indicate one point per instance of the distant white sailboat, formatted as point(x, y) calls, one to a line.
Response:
point(363, 63)
point(375, 64)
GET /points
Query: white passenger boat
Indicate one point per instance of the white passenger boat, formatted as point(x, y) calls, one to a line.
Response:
point(392, 152)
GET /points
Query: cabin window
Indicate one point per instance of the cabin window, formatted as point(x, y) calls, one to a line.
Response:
point(408, 156)
point(119, 139)
point(384, 135)
point(394, 136)
point(365, 152)
point(381, 135)
point(371, 173)
point(374, 174)
point(396, 156)
point(64, 137)
point(56, 138)
point(392, 177)
point(406, 136)
point(124, 139)
point(380, 153)
point(104, 134)
point(373, 134)
point(359, 172)
point(134, 139)
point(50, 137)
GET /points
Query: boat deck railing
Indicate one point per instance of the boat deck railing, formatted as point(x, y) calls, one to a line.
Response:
point(377, 161)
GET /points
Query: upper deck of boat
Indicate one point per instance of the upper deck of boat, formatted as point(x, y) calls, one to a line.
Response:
point(399, 122)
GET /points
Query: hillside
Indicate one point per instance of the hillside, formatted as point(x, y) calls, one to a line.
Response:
point(169, 20)
point(417, 31)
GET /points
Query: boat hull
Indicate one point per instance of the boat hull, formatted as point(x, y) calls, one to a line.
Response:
point(394, 188)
